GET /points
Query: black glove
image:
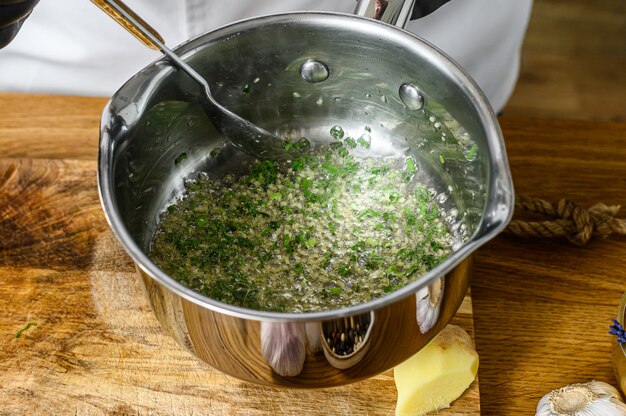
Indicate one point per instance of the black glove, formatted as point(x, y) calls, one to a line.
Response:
point(12, 15)
point(425, 7)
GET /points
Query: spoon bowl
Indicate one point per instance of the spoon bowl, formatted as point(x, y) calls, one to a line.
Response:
point(241, 133)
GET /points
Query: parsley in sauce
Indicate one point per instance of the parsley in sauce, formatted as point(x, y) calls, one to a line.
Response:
point(324, 231)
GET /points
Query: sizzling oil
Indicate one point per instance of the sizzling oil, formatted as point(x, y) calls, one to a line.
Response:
point(324, 231)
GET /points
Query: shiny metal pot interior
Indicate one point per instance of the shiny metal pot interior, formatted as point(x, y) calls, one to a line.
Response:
point(255, 68)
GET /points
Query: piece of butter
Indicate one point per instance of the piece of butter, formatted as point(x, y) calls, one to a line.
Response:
point(438, 374)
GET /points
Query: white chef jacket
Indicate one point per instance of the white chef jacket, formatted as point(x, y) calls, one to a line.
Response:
point(71, 47)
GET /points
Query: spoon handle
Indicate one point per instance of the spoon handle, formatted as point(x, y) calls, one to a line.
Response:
point(130, 21)
point(121, 13)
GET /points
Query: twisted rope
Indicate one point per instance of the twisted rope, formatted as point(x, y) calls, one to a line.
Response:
point(568, 220)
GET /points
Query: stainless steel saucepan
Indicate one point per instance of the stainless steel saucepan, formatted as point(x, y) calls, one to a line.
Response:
point(298, 75)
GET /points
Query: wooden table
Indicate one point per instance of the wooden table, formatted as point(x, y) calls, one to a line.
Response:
point(541, 308)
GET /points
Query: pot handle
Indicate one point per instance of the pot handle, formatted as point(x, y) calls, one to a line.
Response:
point(397, 12)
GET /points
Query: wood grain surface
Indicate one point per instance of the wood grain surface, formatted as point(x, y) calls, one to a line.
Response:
point(541, 308)
point(573, 61)
point(96, 347)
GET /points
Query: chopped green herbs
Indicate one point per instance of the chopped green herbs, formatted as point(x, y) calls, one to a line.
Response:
point(21, 331)
point(202, 221)
point(180, 158)
point(335, 291)
point(302, 144)
point(365, 141)
point(471, 153)
point(215, 152)
point(325, 230)
point(410, 165)
point(337, 132)
point(350, 142)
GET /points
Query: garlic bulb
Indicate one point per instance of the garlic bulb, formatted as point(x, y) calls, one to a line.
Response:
point(428, 304)
point(587, 399)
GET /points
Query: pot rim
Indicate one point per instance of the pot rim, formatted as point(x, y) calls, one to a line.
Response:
point(502, 182)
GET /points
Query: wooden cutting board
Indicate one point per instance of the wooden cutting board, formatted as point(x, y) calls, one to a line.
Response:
point(96, 348)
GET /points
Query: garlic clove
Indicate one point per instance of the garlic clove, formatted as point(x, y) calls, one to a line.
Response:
point(595, 398)
point(428, 303)
point(283, 347)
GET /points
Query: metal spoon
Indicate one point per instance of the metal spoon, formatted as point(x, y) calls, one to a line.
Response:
point(244, 135)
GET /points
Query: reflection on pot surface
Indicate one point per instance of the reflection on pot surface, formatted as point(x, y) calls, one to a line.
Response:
point(154, 139)
point(304, 354)
point(346, 340)
point(428, 301)
point(283, 346)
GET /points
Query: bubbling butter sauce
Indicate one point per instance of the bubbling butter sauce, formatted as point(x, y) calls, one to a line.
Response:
point(326, 230)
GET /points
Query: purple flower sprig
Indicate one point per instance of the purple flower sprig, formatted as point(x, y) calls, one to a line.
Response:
point(618, 330)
